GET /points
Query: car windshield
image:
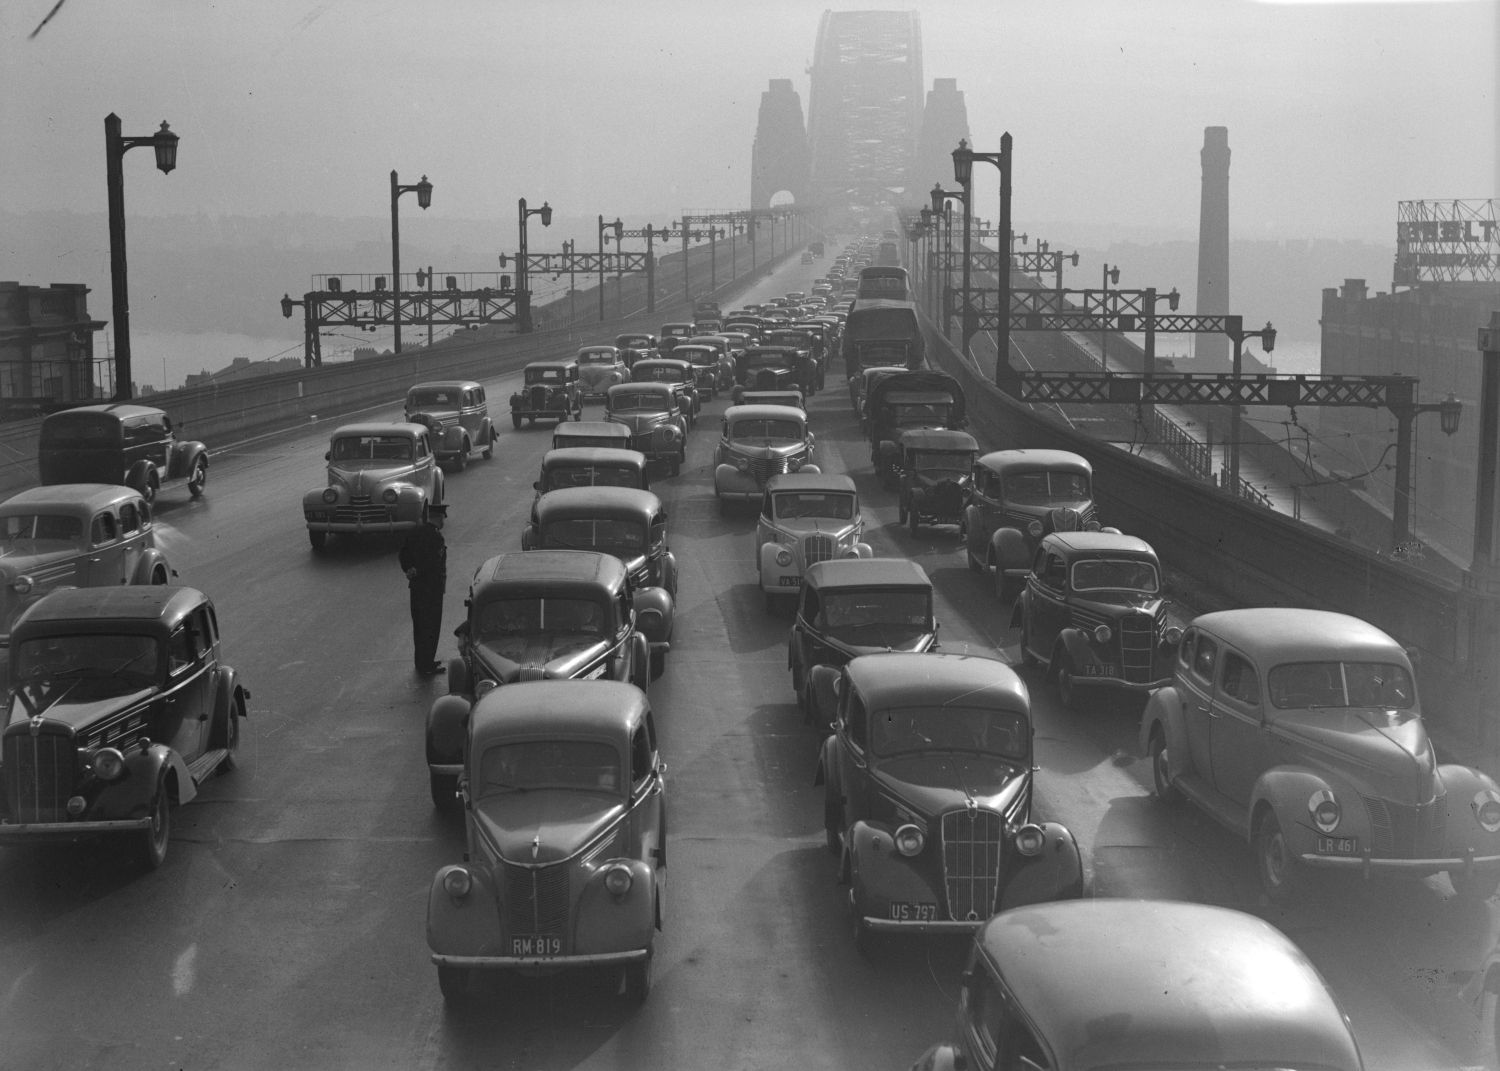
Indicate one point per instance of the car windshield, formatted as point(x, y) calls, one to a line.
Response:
point(918, 414)
point(38, 528)
point(1341, 684)
point(942, 461)
point(443, 399)
point(595, 533)
point(641, 402)
point(659, 374)
point(529, 765)
point(830, 505)
point(592, 476)
point(633, 340)
point(976, 730)
point(701, 357)
point(1047, 488)
point(84, 667)
point(372, 448)
point(765, 360)
point(875, 618)
point(1115, 574)
point(596, 357)
point(498, 620)
point(544, 375)
point(765, 431)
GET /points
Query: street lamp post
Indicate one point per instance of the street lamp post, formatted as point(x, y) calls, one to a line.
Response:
point(617, 226)
point(1267, 336)
point(567, 248)
point(963, 174)
point(1450, 412)
point(312, 346)
point(523, 272)
point(423, 190)
point(1111, 275)
point(164, 143)
point(940, 206)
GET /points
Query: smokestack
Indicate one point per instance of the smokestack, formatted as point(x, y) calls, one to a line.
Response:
point(1213, 248)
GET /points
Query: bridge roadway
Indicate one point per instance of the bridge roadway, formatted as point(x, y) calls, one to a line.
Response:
point(286, 927)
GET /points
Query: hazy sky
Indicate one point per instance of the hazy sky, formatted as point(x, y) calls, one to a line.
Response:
point(1335, 111)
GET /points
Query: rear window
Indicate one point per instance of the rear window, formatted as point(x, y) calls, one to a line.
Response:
point(540, 764)
point(80, 429)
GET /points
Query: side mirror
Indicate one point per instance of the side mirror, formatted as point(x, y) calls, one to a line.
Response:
point(536, 485)
point(327, 455)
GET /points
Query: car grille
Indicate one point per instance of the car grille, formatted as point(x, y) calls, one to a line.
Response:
point(971, 862)
point(1137, 633)
point(536, 900)
point(1402, 831)
point(360, 509)
point(41, 773)
point(538, 397)
point(763, 468)
point(765, 379)
point(819, 547)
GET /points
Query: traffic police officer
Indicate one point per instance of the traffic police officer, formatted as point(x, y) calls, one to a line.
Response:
point(424, 560)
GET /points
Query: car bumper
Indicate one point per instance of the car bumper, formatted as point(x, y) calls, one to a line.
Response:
point(1368, 864)
point(10, 831)
point(880, 925)
point(356, 527)
point(594, 959)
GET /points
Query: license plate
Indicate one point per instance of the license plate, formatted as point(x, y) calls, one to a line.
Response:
point(535, 944)
point(902, 911)
point(1338, 845)
point(790, 581)
point(1101, 671)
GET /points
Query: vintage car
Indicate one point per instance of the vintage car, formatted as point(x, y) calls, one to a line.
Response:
point(679, 374)
point(1094, 984)
point(545, 615)
point(774, 368)
point(1015, 498)
point(74, 535)
point(671, 334)
point(592, 466)
point(707, 326)
point(120, 706)
point(1094, 614)
point(657, 425)
point(927, 794)
point(634, 346)
point(1301, 731)
point(119, 442)
point(381, 478)
point(707, 309)
point(904, 401)
point(627, 522)
point(713, 368)
point(599, 368)
point(758, 442)
point(550, 391)
point(805, 340)
point(851, 607)
point(457, 415)
point(934, 476)
point(603, 433)
point(859, 386)
point(565, 866)
point(805, 517)
point(749, 326)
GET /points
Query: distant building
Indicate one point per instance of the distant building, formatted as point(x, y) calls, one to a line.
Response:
point(47, 350)
point(244, 368)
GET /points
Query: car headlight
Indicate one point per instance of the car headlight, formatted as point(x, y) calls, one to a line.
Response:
point(1091, 526)
point(783, 557)
point(1034, 529)
point(1029, 839)
point(1326, 812)
point(740, 463)
point(1102, 633)
point(22, 585)
point(1172, 636)
point(1487, 810)
point(617, 880)
point(389, 496)
point(330, 495)
point(909, 840)
point(457, 882)
point(484, 686)
point(107, 764)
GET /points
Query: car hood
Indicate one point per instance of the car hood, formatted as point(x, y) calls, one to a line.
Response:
point(537, 657)
point(641, 421)
point(442, 416)
point(592, 372)
point(806, 526)
point(80, 713)
point(933, 782)
point(764, 447)
point(1130, 600)
point(878, 639)
point(545, 825)
point(367, 480)
point(1385, 753)
point(21, 555)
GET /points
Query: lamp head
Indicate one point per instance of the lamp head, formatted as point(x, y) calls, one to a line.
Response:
point(963, 163)
point(937, 198)
point(1074, 258)
point(1450, 410)
point(165, 145)
point(287, 303)
point(424, 193)
point(1268, 337)
point(546, 213)
point(1173, 298)
point(1112, 273)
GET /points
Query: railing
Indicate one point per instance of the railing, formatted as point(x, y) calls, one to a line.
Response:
point(1197, 457)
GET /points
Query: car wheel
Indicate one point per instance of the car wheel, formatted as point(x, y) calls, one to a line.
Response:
point(1161, 776)
point(154, 838)
point(674, 466)
point(515, 421)
point(461, 462)
point(637, 981)
point(229, 734)
point(799, 680)
point(1281, 873)
point(444, 789)
point(1006, 587)
point(1067, 690)
point(833, 817)
point(1027, 657)
point(912, 521)
point(658, 663)
point(1474, 884)
point(317, 538)
point(199, 478)
point(454, 982)
point(489, 445)
point(901, 512)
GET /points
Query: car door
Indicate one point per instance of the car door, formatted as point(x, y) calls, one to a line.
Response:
point(1046, 602)
point(106, 559)
point(1238, 742)
point(854, 766)
point(647, 806)
point(135, 537)
point(187, 703)
point(1198, 659)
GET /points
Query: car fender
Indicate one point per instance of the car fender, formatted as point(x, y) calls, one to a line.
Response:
point(138, 476)
point(605, 923)
point(313, 500)
point(1164, 711)
point(863, 550)
point(528, 537)
point(823, 700)
point(811, 469)
point(453, 439)
point(131, 795)
point(827, 771)
point(1285, 790)
point(486, 432)
point(467, 925)
point(1008, 549)
point(729, 479)
point(875, 867)
point(409, 500)
point(1054, 873)
point(654, 608)
point(771, 573)
point(447, 730)
point(225, 688)
point(669, 571)
point(1462, 784)
point(640, 661)
point(147, 563)
point(182, 457)
point(942, 1058)
point(1019, 611)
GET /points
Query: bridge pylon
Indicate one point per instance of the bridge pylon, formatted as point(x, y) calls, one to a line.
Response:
point(779, 159)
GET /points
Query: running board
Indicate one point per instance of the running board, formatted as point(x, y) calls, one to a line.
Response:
point(205, 764)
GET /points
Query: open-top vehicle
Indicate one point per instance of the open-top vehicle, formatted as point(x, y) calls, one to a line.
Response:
point(458, 416)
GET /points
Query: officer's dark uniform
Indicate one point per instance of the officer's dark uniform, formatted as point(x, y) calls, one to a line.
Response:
point(424, 560)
